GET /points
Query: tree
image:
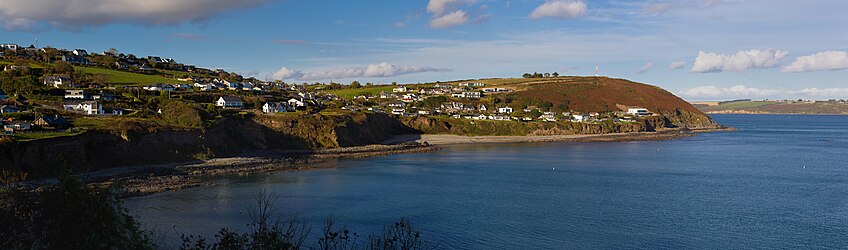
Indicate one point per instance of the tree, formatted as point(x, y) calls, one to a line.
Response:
point(355, 84)
point(63, 68)
point(547, 75)
point(369, 85)
point(555, 74)
point(179, 113)
point(527, 75)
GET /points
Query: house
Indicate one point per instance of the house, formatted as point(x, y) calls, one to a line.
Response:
point(80, 52)
point(204, 86)
point(579, 118)
point(472, 94)
point(155, 59)
point(483, 108)
point(59, 81)
point(87, 107)
point(638, 111)
point(103, 96)
point(275, 107)
point(229, 102)
point(9, 109)
point(295, 103)
point(400, 89)
point(114, 111)
point(15, 126)
point(386, 95)
point(442, 86)
point(424, 112)
point(10, 46)
point(14, 67)
point(74, 59)
point(398, 111)
point(160, 87)
point(77, 94)
point(505, 110)
point(51, 122)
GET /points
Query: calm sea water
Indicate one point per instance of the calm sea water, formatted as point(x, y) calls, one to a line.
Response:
point(780, 181)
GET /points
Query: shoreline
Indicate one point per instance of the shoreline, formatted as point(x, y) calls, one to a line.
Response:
point(148, 180)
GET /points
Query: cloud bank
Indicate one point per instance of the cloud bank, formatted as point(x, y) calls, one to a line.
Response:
point(741, 91)
point(24, 14)
point(739, 62)
point(825, 60)
point(381, 70)
point(561, 9)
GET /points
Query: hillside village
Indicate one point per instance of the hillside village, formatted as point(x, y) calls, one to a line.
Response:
point(48, 92)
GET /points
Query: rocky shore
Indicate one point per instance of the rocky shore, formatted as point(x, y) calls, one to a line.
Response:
point(145, 180)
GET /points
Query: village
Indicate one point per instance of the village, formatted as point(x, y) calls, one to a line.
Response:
point(40, 94)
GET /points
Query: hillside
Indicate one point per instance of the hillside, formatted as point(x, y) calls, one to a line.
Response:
point(601, 94)
point(772, 107)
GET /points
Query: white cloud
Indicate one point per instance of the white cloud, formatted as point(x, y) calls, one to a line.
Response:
point(450, 20)
point(645, 68)
point(741, 91)
point(656, 8)
point(381, 70)
point(561, 9)
point(739, 62)
point(439, 7)
point(677, 65)
point(21, 14)
point(825, 60)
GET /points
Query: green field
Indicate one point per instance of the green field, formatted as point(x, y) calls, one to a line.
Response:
point(126, 78)
point(738, 106)
point(44, 135)
point(350, 93)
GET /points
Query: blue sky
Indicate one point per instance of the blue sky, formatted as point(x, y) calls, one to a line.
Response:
point(698, 49)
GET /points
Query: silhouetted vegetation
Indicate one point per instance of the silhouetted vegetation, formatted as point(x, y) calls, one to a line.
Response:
point(72, 215)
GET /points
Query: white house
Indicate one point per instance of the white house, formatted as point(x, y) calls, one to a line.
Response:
point(400, 89)
point(483, 108)
point(10, 46)
point(87, 107)
point(229, 102)
point(295, 103)
point(275, 107)
point(505, 110)
point(638, 111)
point(579, 118)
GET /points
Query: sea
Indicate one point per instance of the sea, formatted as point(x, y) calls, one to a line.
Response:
point(778, 181)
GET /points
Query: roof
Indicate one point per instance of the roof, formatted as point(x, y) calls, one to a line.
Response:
point(54, 120)
point(231, 98)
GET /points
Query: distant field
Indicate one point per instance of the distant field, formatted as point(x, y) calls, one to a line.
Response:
point(127, 78)
point(350, 93)
point(770, 107)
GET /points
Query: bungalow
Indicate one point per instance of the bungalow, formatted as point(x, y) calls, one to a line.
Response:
point(87, 107)
point(155, 59)
point(232, 85)
point(74, 59)
point(51, 122)
point(230, 102)
point(59, 81)
point(442, 86)
point(410, 97)
point(398, 111)
point(204, 86)
point(16, 126)
point(472, 94)
point(401, 89)
point(10, 46)
point(103, 96)
point(9, 109)
point(386, 95)
point(505, 110)
point(499, 117)
point(275, 107)
point(424, 112)
point(77, 94)
point(160, 87)
point(638, 111)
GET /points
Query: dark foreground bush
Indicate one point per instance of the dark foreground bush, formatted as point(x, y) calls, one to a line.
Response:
point(69, 215)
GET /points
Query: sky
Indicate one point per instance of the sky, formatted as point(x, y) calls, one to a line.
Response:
point(698, 49)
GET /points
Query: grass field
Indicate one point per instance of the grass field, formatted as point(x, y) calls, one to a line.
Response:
point(741, 105)
point(126, 78)
point(350, 93)
point(44, 135)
